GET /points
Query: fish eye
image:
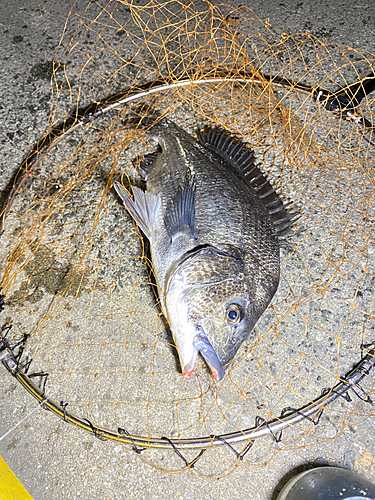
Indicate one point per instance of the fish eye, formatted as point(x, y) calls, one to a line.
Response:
point(234, 314)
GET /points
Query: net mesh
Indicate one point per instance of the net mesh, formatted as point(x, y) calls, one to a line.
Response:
point(76, 272)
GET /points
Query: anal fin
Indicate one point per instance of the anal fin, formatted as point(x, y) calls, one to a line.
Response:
point(143, 207)
point(180, 212)
point(147, 162)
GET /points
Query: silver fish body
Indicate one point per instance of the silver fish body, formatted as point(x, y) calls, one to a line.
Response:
point(214, 244)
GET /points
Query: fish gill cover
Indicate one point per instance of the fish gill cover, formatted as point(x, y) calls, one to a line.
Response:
point(80, 299)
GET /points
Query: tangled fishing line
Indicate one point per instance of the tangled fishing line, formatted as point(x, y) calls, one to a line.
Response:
point(81, 326)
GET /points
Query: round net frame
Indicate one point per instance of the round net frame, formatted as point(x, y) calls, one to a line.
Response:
point(81, 326)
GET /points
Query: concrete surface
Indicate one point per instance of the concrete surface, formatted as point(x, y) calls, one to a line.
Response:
point(55, 460)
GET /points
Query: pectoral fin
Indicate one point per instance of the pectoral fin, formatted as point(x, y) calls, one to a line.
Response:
point(143, 207)
point(180, 212)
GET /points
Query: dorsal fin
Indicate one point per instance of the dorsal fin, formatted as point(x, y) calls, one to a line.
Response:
point(232, 152)
point(242, 159)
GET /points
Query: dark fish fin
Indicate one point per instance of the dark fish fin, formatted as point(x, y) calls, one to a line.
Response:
point(181, 210)
point(146, 163)
point(242, 159)
point(282, 218)
point(143, 207)
point(232, 151)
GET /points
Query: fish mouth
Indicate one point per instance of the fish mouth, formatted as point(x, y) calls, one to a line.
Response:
point(203, 346)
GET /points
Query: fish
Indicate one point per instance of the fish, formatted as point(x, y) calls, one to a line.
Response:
point(215, 225)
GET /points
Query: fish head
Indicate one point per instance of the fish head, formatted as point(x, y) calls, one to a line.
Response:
point(213, 304)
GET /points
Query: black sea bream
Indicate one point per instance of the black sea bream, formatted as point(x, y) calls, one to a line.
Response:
point(214, 224)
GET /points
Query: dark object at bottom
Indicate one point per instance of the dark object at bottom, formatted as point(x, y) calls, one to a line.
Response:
point(328, 483)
